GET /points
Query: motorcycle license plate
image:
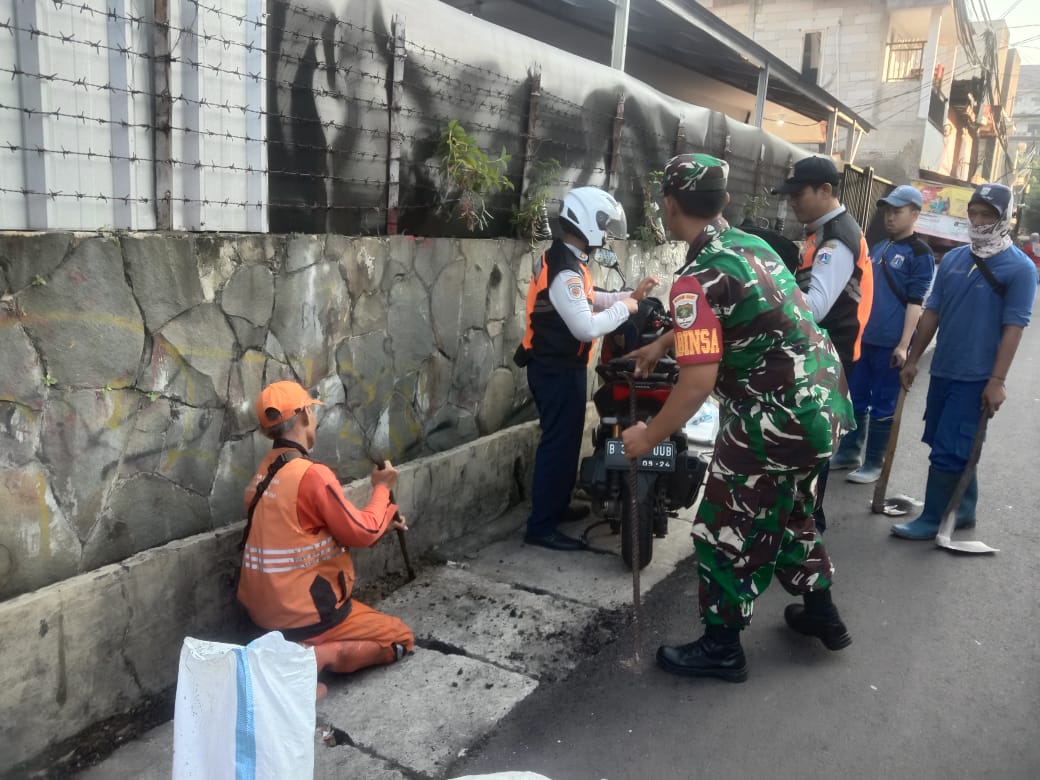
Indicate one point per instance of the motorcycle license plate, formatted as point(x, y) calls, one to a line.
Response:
point(661, 459)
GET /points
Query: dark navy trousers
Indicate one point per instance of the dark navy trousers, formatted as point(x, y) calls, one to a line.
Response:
point(560, 394)
point(951, 416)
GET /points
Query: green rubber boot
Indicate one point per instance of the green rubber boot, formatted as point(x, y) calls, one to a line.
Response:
point(941, 485)
point(874, 458)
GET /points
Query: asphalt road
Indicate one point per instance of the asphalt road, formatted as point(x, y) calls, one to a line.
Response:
point(942, 679)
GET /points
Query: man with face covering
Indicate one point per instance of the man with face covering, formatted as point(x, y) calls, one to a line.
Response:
point(980, 302)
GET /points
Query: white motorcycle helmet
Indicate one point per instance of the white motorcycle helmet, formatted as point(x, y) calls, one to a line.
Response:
point(594, 215)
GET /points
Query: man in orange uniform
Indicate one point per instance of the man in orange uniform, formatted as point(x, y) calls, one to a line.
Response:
point(297, 575)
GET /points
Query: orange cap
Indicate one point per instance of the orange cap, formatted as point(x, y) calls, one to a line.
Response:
point(279, 401)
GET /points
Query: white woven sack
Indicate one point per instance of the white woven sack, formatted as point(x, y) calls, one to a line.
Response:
point(244, 712)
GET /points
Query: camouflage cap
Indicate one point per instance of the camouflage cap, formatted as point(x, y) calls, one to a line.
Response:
point(695, 172)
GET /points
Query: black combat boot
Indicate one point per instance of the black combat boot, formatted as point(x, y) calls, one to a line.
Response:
point(819, 618)
point(716, 654)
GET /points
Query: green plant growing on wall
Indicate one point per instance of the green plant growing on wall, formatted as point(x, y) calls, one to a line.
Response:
point(532, 219)
point(470, 174)
point(755, 204)
point(651, 231)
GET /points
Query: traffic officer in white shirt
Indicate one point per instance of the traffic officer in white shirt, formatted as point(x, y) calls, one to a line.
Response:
point(565, 315)
point(835, 273)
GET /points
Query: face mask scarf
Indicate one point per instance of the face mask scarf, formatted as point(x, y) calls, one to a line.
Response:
point(989, 240)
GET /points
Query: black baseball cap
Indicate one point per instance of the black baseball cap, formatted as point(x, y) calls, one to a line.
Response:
point(997, 196)
point(813, 171)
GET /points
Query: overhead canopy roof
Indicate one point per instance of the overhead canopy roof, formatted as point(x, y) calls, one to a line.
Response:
point(691, 36)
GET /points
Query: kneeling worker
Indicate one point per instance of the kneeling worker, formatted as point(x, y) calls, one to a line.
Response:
point(297, 575)
point(565, 316)
point(741, 332)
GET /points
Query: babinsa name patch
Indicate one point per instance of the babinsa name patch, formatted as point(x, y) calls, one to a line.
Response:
point(699, 341)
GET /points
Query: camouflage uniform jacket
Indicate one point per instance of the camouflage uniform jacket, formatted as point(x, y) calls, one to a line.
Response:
point(784, 402)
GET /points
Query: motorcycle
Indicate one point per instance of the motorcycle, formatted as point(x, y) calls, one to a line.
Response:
point(667, 479)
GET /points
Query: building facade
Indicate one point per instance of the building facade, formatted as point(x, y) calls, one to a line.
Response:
point(938, 88)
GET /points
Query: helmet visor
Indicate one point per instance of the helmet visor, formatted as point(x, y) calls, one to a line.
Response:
point(613, 225)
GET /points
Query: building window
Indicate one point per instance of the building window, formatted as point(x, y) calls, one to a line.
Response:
point(811, 57)
point(903, 60)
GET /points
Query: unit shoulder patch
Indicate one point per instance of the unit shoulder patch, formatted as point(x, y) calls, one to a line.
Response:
point(685, 307)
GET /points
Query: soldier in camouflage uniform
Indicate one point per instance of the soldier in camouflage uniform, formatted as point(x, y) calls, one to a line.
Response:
point(743, 331)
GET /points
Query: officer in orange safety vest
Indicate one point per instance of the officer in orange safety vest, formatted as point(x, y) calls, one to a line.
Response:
point(297, 575)
point(565, 315)
point(835, 273)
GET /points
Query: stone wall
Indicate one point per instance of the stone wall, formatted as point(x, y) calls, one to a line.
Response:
point(130, 363)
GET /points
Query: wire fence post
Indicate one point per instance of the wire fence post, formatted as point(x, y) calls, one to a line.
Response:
point(393, 190)
point(34, 166)
point(163, 115)
point(615, 142)
point(189, 176)
point(680, 136)
point(119, 105)
point(756, 182)
point(256, 132)
point(534, 92)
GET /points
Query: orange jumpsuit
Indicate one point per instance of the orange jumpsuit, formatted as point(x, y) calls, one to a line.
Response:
point(297, 575)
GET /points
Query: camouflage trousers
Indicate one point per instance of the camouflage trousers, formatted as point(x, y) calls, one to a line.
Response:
point(750, 527)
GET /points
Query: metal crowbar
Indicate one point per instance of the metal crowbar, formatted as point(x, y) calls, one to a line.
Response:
point(381, 464)
point(942, 538)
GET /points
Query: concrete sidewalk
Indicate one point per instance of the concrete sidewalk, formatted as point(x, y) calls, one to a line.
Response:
point(493, 620)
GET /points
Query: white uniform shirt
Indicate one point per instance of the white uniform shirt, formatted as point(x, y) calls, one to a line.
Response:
point(832, 268)
point(567, 295)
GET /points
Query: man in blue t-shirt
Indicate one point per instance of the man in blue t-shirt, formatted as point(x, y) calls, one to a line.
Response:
point(979, 322)
point(903, 268)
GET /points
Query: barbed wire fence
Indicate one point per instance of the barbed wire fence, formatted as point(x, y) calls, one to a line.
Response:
point(248, 115)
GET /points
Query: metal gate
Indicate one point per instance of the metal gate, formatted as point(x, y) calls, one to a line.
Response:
point(859, 192)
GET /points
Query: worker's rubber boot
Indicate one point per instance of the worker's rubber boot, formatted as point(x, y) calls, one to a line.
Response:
point(850, 450)
point(874, 456)
point(966, 508)
point(941, 485)
point(819, 617)
point(716, 654)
